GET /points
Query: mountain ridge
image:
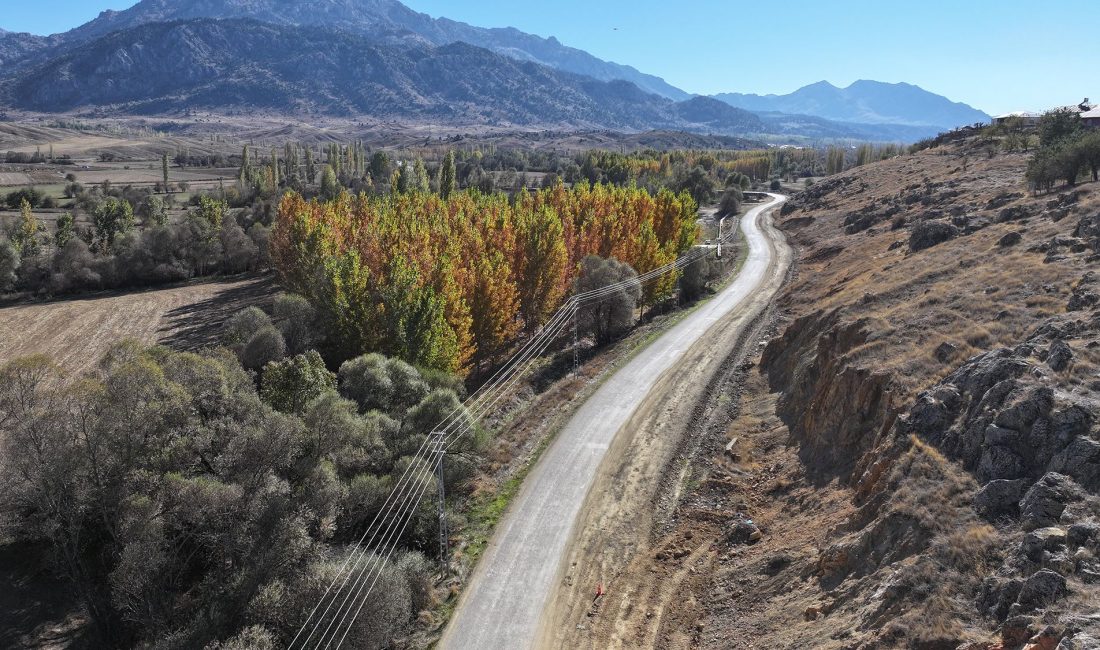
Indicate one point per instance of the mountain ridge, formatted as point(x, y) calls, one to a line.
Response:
point(864, 102)
point(245, 65)
point(387, 19)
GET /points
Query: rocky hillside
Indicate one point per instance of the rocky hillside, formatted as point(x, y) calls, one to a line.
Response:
point(386, 21)
point(244, 65)
point(918, 445)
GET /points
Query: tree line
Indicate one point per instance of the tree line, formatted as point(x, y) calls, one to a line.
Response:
point(1068, 151)
point(448, 281)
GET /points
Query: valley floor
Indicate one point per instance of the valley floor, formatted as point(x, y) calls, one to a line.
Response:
point(75, 332)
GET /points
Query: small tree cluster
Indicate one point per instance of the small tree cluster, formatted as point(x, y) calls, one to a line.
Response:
point(187, 509)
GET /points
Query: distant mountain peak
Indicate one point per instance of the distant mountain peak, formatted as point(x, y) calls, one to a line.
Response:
point(865, 101)
point(386, 20)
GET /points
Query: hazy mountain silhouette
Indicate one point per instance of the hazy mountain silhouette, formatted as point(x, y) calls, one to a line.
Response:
point(865, 102)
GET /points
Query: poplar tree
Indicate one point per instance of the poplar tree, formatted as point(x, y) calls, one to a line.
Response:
point(422, 182)
point(311, 171)
point(26, 238)
point(246, 168)
point(447, 175)
point(164, 170)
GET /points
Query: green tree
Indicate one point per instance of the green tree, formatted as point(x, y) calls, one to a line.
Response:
point(211, 210)
point(330, 186)
point(263, 347)
point(9, 264)
point(1057, 126)
point(1089, 146)
point(26, 236)
point(730, 203)
point(111, 218)
point(422, 182)
point(311, 168)
point(699, 184)
point(291, 384)
point(405, 181)
point(164, 170)
point(245, 177)
point(380, 167)
point(448, 177)
point(607, 318)
point(64, 232)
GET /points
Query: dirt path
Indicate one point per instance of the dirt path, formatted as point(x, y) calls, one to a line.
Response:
point(636, 492)
point(506, 603)
point(76, 332)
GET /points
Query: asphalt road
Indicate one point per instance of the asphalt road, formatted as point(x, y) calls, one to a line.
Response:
point(506, 598)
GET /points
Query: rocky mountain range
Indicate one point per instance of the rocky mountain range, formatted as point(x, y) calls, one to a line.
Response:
point(865, 102)
point(246, 65)
point(379, 58)
point(387, 21)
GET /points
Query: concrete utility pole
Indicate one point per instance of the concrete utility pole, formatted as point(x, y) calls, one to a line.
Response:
point(576, 338)
point(440, 451)
point(720, 222)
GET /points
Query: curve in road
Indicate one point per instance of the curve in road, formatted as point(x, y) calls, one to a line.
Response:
point(509, 591)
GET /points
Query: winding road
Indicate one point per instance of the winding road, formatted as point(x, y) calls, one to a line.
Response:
point(508, 594)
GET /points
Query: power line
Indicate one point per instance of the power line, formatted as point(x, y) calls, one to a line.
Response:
point(453, 427)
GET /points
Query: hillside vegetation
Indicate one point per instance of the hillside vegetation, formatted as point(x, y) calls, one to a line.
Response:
point(919, 446)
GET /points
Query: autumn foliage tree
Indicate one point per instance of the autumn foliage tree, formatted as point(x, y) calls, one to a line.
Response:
point(446, 283)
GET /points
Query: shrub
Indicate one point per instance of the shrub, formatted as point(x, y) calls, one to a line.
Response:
point(297, 320)
point(241, 326)
point(613, 314)
point(289, 385)
point(9, 264)
point(263, 347)
point(366, 381)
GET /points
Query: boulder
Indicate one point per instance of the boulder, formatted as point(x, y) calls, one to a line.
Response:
point(1088, 228)
point(1042, 539)
point(927, 234)
point(1042, 589)
point(1015, 213)
point(743, 531)
point(1045, 640)
point(1044, 502)
point(1000, 498)
point(1079, 641)
point(998, 461)
point(1081, 299)
point(1059, 356)
point(1010, 239)
point(1081, 534)
point(1081, 461)
point(945, 352)
point(998, 595)
point(1016, 630)
point(1026, 409)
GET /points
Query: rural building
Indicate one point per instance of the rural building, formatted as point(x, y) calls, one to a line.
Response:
point(1091, 118)
point(1029, 119)
point(1026, 118)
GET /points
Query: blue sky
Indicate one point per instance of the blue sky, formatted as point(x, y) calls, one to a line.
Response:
point(997, 56)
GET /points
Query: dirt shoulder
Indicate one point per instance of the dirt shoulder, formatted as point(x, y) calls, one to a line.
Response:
point(917, 458)
point(636, 491)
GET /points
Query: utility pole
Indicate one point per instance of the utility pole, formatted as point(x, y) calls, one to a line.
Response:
point(720, 222)
point(440, 451)
point(576, 338)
